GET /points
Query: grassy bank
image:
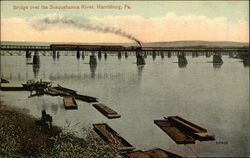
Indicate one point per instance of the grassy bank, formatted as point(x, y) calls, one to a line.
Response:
point(20, 137)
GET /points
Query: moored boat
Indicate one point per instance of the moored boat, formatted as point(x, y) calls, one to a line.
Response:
point(112, 137)
point(108, 112)
point(69, 102)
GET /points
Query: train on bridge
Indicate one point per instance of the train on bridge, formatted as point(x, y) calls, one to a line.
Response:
point(89, 47)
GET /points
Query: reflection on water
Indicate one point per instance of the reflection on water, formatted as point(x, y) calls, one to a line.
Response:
point(169, 54)
point(195, 54)
point(182, 61)
point(140, 69)
point(57, 55)
point(246, 60)
point(54, 57)
point(141, 94)
point(105, 56)
point(154, 55)
point(119, 55)
point(246, 63)
point(28, 60)
point(217, 65)
point(126, 55)
point(83, 56)
point(182, 65)
point(99, 56)
point(162, 55)
point(92, 70)
point(54, 108)
point(36, 68)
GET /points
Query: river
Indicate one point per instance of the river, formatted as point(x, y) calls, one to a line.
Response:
point(214, 97)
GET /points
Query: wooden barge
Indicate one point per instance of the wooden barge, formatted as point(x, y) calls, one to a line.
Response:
point(32, 85)
point(106, 111)
point(81, 97)
point(2, 80)
point(69, 102)
point(12, 88)
point(67, 90)
point(112, 138)
point(154, 153)
point(46, 88)
point(183, 131)
point(137, 154)
point(55, 92)
point(85, 98)
point(174, 133)
point(190, 128)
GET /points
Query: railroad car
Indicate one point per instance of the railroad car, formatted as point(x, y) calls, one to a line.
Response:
point(85, 47)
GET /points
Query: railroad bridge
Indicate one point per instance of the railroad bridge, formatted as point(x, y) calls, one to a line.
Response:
point(22, 50)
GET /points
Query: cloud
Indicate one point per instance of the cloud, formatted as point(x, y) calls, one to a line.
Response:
point(47, 22)
point(170, 27)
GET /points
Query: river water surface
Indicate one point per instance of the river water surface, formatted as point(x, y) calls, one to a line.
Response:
point(215, 97)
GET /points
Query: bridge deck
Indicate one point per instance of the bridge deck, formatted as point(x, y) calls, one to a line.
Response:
point(47, 48)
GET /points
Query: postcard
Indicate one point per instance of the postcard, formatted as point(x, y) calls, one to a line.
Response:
point(124, 79)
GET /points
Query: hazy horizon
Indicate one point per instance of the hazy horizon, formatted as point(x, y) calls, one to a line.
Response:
point(145, 21)
point(133, 42)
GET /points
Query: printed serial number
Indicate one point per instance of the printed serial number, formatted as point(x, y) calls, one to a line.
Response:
point(221, 142)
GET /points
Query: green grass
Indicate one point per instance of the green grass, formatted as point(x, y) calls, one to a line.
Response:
point(20, 137)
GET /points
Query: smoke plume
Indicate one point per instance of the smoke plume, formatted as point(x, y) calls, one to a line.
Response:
point(46, 22)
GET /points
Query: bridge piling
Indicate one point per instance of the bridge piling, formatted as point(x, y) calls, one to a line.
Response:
point(119, 55)
point(99, 55)
point(169, 54)
point(54, 53)
point(207, 54)
point(182, 60)
point(154, 55)
point(230, 54)
point(58, 55)
point(145, 54)
point(162, 55)
point(92, 59)
point(139, 58)
point(36, 59)
point(78, 54)
point(28, 54)
point(217, 59)
point(126, 55)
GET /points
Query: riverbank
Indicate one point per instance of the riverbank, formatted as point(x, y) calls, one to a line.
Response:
point(20, 137)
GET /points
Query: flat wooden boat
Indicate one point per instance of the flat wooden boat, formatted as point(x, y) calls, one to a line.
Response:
point(154, 153)
point(112, 138)
point(70, 91)
point(160, 153)
point(193, 130)
point(12, 88)
point(69, 102)
point(85, 98)
point(54, 92)
point(2, 80)
point(106, 111)
point(137, 154)
point(178, 136)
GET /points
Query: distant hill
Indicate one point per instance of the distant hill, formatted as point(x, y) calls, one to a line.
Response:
point(196, 44)
point(147, 44)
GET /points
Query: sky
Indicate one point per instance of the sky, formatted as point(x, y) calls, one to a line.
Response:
point(147, 21)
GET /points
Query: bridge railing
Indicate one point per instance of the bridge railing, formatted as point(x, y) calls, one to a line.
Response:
point(24, 46)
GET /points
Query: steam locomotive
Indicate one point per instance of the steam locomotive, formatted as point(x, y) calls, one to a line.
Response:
point(89, 47)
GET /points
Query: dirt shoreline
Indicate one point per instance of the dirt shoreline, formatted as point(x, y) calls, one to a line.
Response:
point(21, 137)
